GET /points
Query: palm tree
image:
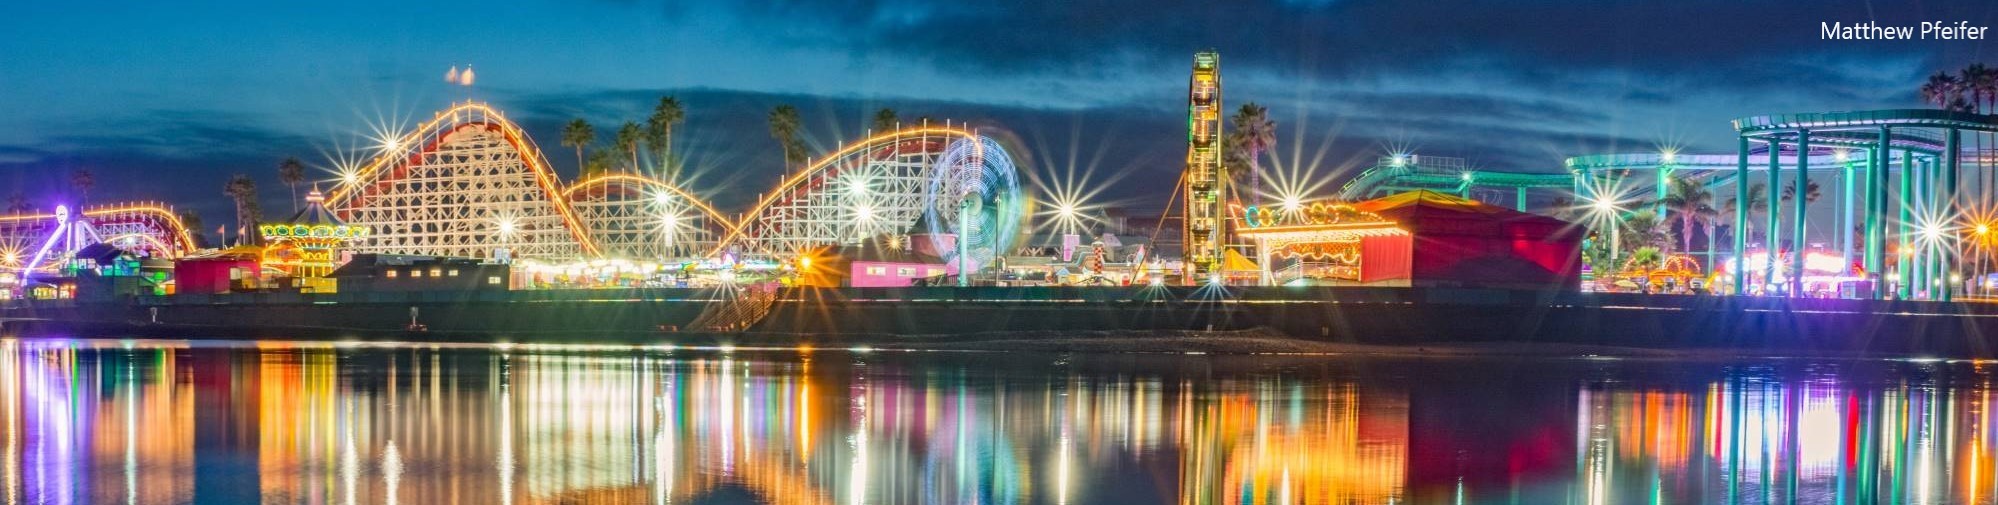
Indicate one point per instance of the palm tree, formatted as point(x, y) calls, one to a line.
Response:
point(18, 203)
point(627, 139)
point(659, 130)
point(243, 190)
point(784, 126)
point(1646, 258)
point(1644, 229)
point(83, 180)
point(1943, 90)
point(1254, 134)
point(1810, 196)
point(1979, 83)
point(192, 222)
point(292, 172)
point(1982, 84)
point(578, 134)
point(599, 163)
point(1758, 203)
point(1810, 192)
point(885, 120)
point(1693, 203)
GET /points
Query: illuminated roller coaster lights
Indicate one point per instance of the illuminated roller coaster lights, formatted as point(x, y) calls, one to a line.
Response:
point(183, 238)
point(530, 154)
point(798, 178)
point(710, 211)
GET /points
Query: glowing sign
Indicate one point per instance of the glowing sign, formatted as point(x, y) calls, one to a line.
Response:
point(1316, 214)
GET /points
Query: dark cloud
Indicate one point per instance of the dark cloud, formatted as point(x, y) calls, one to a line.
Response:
point(1347, 36)
point(1511, 85)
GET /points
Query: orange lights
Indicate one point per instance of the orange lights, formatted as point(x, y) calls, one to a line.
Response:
point(182, 238)
point(606, 180)
point(544, 176)
point(816, 168)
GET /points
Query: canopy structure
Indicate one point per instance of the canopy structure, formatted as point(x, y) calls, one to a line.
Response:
point(1926, 144)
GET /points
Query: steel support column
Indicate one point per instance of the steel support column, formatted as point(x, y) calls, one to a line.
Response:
point(1954, 243)
point(1798, 204)
point(1904, 253)
point(1844, 229)
point(1875, 192)
point(1770, 232)
point(1663, 186)
point(1740, 215)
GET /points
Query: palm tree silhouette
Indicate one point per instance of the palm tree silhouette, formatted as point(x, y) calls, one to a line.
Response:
point(578, 134)
point(659, 131)
point(1943, 90)
point(885, 120)
point(1692, 202)
point(1254, 133)
point(243, 190)
point(627, 140)
point(784, 126)
point(1644, 229)
point(83, 180)
point(292, 172)
point(1758, 202)
point(192, 222)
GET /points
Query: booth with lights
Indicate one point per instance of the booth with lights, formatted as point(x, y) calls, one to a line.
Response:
point(309, 245)
point(1325, 244)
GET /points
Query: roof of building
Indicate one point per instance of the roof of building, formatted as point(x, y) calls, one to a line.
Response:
point(1429, 212)
point(238, 253)
point(875, 250)
point(1428, 199)
point(315, 212)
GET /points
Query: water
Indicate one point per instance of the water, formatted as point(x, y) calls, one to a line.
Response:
point(288, 423)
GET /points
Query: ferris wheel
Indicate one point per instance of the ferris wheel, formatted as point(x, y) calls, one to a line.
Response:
point(973, 204)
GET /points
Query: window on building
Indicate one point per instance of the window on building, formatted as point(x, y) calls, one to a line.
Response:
point(454, 272)
point(905, 271)
point(415, 273)
point(494, 280)
point(436, 272)
point(390, 273)
point(877, 270)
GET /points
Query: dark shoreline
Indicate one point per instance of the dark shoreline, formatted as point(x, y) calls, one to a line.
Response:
point(1419, 321)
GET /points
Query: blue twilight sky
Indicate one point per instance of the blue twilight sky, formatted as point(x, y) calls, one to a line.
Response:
point(164, 100)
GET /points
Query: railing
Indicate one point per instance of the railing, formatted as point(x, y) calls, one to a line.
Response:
point(739, 312)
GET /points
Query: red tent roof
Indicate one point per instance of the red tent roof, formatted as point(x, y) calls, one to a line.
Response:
point(1411, 208)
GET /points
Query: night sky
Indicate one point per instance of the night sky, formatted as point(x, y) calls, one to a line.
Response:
point(164, 101)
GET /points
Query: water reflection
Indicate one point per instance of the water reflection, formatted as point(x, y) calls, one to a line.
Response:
point(171, 423)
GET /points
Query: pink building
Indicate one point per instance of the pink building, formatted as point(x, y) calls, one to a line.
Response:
point(873, 265)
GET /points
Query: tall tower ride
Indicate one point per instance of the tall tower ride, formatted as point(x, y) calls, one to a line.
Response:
point(1204, 178)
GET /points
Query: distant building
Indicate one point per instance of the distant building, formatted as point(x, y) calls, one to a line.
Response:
point(1418, 238)
point(873, 264)
point(389, 272)
point(1460, 242)
point(235, 269)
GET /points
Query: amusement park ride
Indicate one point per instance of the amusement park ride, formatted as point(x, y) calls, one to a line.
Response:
point(470, 183)
point(34, 245)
